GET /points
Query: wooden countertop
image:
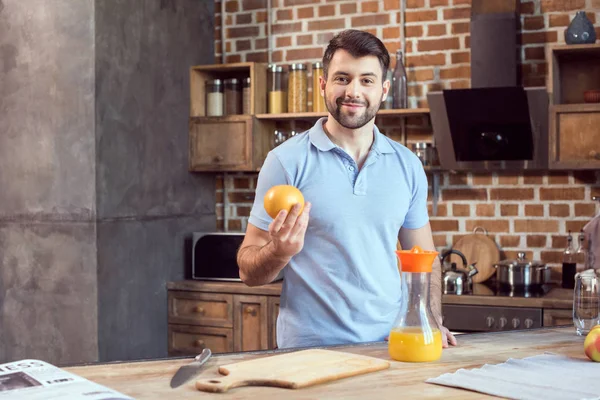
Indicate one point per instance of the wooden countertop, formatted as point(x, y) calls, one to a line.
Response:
point(150, 379)
point(556, 298)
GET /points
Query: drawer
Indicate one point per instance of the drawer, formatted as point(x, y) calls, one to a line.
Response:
point(206, 309)
point(191, 340)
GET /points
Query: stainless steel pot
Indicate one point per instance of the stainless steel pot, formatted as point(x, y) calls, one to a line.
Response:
point(521, 272)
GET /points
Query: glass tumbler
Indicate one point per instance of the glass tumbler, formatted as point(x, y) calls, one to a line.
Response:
point(586, 302)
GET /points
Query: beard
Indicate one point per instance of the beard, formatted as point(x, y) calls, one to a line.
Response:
point(355, 120)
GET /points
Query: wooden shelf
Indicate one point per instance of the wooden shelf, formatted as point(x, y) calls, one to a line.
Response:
point(576, 49)
point(316, 115)
point(580, 107)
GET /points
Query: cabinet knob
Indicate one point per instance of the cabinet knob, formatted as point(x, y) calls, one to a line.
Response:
point(594, 154)
point(218, 158)
point(528, 323)
point(250, 311)
point(489, 321)
point(199, 310)
point(199, 343)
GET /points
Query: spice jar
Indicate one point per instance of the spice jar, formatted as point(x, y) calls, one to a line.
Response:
point(214, 98)
point(246, 96)
point(297, 88)
point(233, 98)
point(318, 101)
point(422, 150)
point(277, 94)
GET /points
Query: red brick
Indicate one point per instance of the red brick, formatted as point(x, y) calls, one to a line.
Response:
point(260, 44)
point(536, 225)
point(283, 41)
point(390, 5)
point(458, 179)
point(219, 211)
point(436, 30)
point(371, 20)
point(463, 71)
point(327, 24)
point(442, 210)
point(438, 3)
point(234, 225)
point(558, 178)
point(306, 12)
point(327, 11)
point(277, 56)
point(426, 60)
point(461, 210)
point(533, 23)
point(261, 16)
point(506, 179)
point(324, 38)
point(527, 7)
point(559, 241)
point(369, 6)
point(440, 240)
point(245, 32)
point(559, 210)
point(419, 16)
point(443, 225)
point(277, 29)
point(585, 209)
point(461, 2)
point(253, 4)
point(461, 27)
point(304, 40)
point(509, 210)
point(551, 257)
point(536, 241)
point(562, 194)
point(493, 225)
point(561, 5)
point(243, 19)
point(301, 54)
point(231, 6)
point(534, 210)
point(349, 8)
point(575, 226)
point(438, 44)
point(393, 32)
point(242, 211)
point(415, 3)
point(233, 58)
point(421, 75)
point(289, 3)
point(509, 241)
point(539, 37)
point(511, 194)
point(535, 53)
point(284, 14)
point(457, 13)
point(242, 45)
point(485, 210)
point(464, 194)
point(414, 31)
point(262, 57)
point(559, 20)
point(241, 197)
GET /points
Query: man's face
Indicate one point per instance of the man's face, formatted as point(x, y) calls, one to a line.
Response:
point(354, 89)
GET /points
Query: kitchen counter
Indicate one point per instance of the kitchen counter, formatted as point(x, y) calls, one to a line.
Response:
point(150, 379)
point(556, 298)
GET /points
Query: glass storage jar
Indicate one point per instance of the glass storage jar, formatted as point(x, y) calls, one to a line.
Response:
point(214, 97)
point(297, 88)
point(318, 101)
point(277, 94)
point(247, 96)
point(233, 97)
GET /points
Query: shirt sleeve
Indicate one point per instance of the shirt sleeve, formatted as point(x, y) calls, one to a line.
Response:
point(417, 215)
point(271, 173)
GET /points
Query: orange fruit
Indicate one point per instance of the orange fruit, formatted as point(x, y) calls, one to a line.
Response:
point(282, 197)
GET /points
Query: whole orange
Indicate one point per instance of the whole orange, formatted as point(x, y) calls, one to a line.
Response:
point(282, 197)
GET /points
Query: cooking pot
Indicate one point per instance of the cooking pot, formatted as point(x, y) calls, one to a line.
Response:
point(454, 280)
point(521, 272)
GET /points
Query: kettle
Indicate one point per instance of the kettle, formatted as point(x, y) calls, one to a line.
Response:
point(456, 281)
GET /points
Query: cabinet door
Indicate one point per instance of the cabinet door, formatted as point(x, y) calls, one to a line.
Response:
point(273, 314)
point(191, 340)
point(221, 144)
point(575, 141)
point(250, 323)
point(193, 308)
point(558, 317)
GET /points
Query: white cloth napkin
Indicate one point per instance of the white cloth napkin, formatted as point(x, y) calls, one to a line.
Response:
point(546, 376)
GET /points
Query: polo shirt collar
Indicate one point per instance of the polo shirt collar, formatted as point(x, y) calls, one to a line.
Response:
point(321, 141)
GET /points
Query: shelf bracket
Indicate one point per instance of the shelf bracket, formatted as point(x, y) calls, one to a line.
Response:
point(435, 188)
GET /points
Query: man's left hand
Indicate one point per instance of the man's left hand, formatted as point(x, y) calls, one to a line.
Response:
point(447, 338)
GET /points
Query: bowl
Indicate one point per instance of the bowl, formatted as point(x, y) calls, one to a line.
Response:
point(591, 96)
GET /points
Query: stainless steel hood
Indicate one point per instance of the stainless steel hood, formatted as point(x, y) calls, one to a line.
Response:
point(497, 124)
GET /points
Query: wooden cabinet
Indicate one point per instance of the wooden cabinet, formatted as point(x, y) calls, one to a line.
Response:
point(574, 135)
point(224, 317)
point(557, 317)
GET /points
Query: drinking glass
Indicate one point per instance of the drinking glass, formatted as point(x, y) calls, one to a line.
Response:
point(586, 302)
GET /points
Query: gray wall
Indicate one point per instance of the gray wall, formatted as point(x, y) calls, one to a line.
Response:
point(147, 200)
point(96, 199)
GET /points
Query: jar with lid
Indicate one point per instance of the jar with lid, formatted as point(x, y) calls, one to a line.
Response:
point(297, 88)
point(233, 97)
point(318, 101)
point(416, 335)
point(247, 96)
point(422, 150)
point(214, 97)
point(277, 94)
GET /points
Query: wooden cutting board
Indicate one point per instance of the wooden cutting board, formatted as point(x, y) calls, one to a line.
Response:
point(480, 248)
point(292, 370)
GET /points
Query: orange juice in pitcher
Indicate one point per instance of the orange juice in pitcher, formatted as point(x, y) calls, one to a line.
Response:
point(416, 336)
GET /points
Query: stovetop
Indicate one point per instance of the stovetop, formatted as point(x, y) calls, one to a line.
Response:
point(493, 288)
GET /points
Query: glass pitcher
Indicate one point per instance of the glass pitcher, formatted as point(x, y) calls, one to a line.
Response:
point(415, 336)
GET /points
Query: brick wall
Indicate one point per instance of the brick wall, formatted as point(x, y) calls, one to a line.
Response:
point(522, 212)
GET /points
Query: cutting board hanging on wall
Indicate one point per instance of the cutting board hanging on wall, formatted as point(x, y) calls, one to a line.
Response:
point(480, 248)
point(292, 370)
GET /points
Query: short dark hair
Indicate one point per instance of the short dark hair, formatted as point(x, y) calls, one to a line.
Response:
point(358, 44)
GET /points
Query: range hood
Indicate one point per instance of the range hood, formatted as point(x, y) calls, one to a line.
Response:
point(497, 124)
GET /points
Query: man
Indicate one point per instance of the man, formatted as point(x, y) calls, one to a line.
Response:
point(341, 281)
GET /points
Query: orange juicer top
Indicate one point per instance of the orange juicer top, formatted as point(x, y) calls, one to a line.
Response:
point(416, 259)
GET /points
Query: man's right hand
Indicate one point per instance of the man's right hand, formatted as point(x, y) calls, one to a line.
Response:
point(287, 231)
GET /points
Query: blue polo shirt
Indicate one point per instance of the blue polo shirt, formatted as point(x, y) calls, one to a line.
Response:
point(344, 286)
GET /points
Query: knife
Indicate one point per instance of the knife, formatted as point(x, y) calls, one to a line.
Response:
point(187, 372)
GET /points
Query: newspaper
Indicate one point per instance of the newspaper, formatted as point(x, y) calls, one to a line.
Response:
point(38, 380)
